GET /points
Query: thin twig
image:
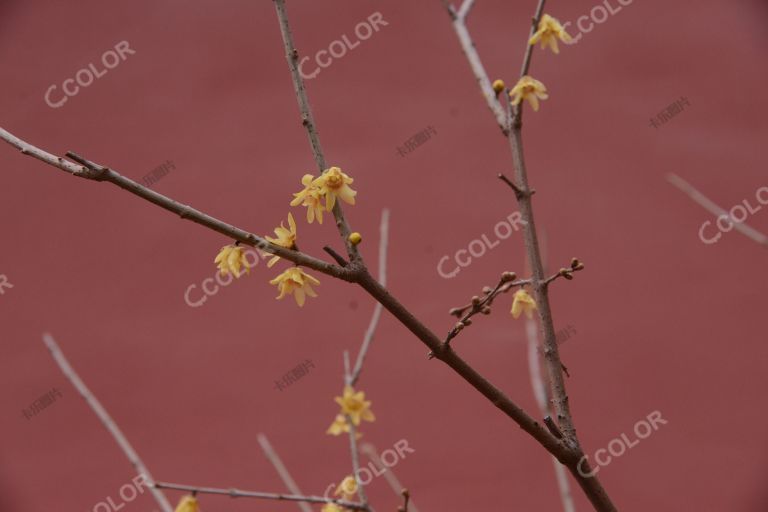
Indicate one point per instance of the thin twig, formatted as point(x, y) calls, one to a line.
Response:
point(106, 420)
point(285, 476)
point(307, 119)
point(368, 338)
point(714, 209)
point(236, 493)
point(370, 451)
point(468, 47)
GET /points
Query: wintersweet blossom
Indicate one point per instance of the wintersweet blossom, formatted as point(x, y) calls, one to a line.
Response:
point(187, 504)
point(285, 238)
point(331, 507)
point(355, 405)
point(334, 183)
point(549, 31)
point(338, 426)
point(523, 302)
point(295, 281)
point(347, 488)
point(528, 88)
point(231, 258)
point(311, 197)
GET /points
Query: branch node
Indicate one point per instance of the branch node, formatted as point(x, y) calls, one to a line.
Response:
point(552, 426)
point(336, 256)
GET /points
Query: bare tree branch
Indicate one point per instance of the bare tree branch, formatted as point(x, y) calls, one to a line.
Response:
point(590, 485)
point(285, 476)
point(106, 420)
point(236, 493)
point(97, 172)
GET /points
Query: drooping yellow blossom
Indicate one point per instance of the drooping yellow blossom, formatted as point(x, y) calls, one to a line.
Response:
point(355, 238)
point(550, 30)
point(187, 504)
point(528, 88)
point(355, 405)
point(332, 184)
point(338, 426)
point(331, 507)
point(523, 303)
point(311, 198)
point(347, 488)
point(295, 281)
point(285, 238)
point(231, 258)
point(498, 85)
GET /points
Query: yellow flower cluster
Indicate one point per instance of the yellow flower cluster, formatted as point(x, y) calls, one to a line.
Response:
point(353, 406)
point(331, 185)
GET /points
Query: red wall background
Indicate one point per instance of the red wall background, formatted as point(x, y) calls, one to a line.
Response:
point(664, 322)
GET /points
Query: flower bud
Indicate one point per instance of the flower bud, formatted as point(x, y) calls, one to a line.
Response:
point(355, 238)
point(498, 86)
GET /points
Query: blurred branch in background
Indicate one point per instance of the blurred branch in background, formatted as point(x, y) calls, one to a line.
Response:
point(289, 482)
point(106, 419)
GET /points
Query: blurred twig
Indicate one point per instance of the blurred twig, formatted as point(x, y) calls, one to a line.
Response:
point(106, 420)
point(285, 476)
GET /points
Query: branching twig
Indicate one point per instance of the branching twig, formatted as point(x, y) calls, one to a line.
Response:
point(482, 305)
point(285, 476)
point(468, 46)
point(591, 485)
point(236, 493)
point(106, 420)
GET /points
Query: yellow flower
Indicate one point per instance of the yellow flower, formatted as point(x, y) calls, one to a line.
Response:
point(295, 281)
point(523, 303)
point(187, 504)
point(355, 405)
point(550, 30)
point(498, 86)
point(285, 238)
point(347, 488)
point(331, 507)
point(332, 184)
point(230, 259)
point(528, 88)
point(311, 198)
point(338, 426)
